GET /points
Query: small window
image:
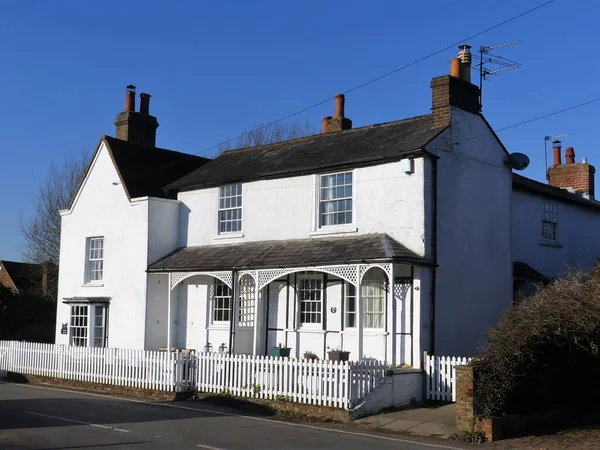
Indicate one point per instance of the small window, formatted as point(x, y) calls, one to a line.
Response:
point(549, 221)
point(95, 260)
point(335, 199)
point(350, 306)
point(310, 290)
point(88, 325)
point(373, 293)
point(221, 302)
point(230, 209)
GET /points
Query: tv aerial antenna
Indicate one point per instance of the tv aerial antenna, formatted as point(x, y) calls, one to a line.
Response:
point(546, 140)
point(492, 64)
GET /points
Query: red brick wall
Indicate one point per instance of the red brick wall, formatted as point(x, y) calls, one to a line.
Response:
point(578, 176)
point(464, 399)
point(5, 279)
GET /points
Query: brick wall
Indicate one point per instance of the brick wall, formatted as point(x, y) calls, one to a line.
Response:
point(579, 176)
point(447, 91)
point(5, 279)
point(465, 419)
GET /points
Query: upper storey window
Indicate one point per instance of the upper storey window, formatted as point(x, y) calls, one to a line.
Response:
point(230, 209)
point(335, 199)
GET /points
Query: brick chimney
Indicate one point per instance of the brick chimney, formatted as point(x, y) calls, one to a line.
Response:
point(136, 127)
point(338, 122)
point(571, 175)
point(454, 90)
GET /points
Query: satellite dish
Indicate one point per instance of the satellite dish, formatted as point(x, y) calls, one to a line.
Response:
point(517, 161)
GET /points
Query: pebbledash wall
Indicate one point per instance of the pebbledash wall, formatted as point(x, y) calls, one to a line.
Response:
point(575, 247)
point(135, 233)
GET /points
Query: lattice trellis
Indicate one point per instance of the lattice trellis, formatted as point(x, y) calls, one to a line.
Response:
point(252, 273)
point(386, 267)
point(178, 277)
point(401, 289)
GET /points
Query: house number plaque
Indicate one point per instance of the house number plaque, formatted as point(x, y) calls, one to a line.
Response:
point(63, 328)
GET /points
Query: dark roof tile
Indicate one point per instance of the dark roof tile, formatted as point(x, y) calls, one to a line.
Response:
point(290, 253)
point(359, 146)
point(147, 170)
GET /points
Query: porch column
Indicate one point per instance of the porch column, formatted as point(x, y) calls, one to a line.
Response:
point(359, 316)
point(256, 295)
point(169, 288)
point(235, 308)
point(392, 324)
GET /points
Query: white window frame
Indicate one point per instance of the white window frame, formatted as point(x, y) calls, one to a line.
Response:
point(549, 216)
point(218, 302)
point(222, 196)
point(349, 299)
point(247, 301)
point(84, 330)
point(349, 226)
point(92, 260)
point(312, 325)
point(369, 299)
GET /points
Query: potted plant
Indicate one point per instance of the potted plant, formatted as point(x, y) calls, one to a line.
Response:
point(280, 350)
point(338, 355)
point(310, 356)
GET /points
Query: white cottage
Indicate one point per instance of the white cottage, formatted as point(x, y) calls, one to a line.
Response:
point(385, 240)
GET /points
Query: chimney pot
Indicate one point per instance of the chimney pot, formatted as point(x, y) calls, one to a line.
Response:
point(455, 67)
point(325, 127)
point(465, 57)
point(556, 145)
point(145, 103)
point(130, 98)
point(569, 155)
point(339, 105)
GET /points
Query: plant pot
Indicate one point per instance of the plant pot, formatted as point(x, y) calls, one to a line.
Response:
point(283, 352)
point(335, 355)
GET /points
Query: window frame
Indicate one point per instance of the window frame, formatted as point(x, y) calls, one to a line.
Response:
point(364, 297)
point(549, 216)
point(348, 226)
point(87, 336)
point(89, 260)
point(214, 303)
point(220, 197)
point(347, 310)
point(310, 325)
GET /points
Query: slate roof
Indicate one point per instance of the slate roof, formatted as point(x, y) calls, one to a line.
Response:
point(145, 171)
point(372, 144)
point(522, 183)
point(290, 253)
point(524, 270)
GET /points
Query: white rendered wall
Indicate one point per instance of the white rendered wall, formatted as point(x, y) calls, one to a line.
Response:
point(474, 274)
point(576, 235)
point(163, 227)
point(386, 200)
point(103, 209)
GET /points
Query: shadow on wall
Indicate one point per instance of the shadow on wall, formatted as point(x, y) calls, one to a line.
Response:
point(184, 225)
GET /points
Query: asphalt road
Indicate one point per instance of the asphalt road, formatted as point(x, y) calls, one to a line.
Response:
point(39, 418)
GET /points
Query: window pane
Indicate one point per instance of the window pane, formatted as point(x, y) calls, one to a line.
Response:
point(309, 297)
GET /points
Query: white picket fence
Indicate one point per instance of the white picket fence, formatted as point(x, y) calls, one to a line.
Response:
point(316, 382)
point(161, 371)
point(320, 382)
point(440, 376)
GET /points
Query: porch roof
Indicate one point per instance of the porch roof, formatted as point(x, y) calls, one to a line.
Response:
point(288, 253)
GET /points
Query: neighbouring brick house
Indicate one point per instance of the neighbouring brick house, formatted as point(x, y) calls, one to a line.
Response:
point(24, 278)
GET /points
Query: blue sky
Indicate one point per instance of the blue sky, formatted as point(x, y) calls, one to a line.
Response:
point(217, 68)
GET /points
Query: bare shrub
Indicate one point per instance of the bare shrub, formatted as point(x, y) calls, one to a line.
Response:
point(544, 352)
